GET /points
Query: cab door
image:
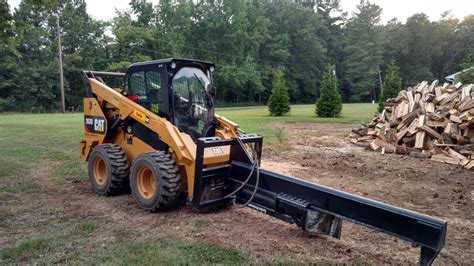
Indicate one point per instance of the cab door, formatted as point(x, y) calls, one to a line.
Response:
point(147, 86)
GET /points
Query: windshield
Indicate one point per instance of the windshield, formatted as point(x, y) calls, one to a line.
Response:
point(190, 84)
point(193, 105)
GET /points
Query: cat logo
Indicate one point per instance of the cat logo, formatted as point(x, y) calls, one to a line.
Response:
point(217, 150)
point(95, 124)
point(99, 125)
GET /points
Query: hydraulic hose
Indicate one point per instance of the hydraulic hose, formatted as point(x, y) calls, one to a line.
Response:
point(255, 168)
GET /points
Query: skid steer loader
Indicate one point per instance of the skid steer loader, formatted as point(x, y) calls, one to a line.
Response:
point(157, 136)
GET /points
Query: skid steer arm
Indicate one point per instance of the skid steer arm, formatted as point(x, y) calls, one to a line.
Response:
point(314, 208)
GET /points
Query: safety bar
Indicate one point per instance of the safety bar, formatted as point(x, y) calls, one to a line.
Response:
point(87, 74)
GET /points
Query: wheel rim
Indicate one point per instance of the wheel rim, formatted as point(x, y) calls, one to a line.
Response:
point(100, 171)
point(146, 182)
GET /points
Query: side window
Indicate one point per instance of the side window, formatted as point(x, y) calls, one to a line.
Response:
point(146, 86)
point(137, 85)
point(153, 85)
point(153, 80)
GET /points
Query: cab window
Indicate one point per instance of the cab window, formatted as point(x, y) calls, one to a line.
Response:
point(145, 87)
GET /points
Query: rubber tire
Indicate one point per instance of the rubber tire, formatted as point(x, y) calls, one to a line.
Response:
point(167, 181)
point(118, 170)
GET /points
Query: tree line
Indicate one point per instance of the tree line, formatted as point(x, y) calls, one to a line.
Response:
point(248, 40)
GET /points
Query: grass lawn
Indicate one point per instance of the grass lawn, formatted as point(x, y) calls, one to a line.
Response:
point(39, 160)
point(256, 119)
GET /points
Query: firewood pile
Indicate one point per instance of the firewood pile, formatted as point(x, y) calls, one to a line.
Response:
point(428, 121)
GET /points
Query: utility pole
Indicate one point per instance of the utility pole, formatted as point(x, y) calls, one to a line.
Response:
point(61, 74)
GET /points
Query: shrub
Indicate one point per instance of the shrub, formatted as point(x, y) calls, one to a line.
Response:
point(391, 85)
point(329, 103)
point(279, 101)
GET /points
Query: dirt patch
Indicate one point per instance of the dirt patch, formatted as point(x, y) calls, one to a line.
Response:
point(429, 187)
point(320, 154)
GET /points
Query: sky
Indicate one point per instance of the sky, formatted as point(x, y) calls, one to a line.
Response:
point(401, 9)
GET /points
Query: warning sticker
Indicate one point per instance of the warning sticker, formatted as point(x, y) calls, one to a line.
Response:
point(141, 116)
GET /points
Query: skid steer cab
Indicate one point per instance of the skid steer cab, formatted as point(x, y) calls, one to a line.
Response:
point(152, 131)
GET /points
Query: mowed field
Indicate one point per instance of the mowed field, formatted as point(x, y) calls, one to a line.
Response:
point(48, 213)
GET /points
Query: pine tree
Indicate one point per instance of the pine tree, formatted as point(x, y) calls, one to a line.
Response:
point(329, 103)
point(363, 50)
point(279, 101)
point(391, 85)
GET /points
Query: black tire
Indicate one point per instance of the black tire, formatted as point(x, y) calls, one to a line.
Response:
point(155, 181)
point(108, 170)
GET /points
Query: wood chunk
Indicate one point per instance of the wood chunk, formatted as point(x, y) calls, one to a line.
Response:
point(451, 128)
point(432, 132)
point(413, 127)
point(403, 95)
point(455, 154)
point(438, 91)
point(430, 107)
point(458, 85)
point(385, 145)
point(433, 85)
point(411, 99)
point(466, 92)
point(420, 140)
point(410, 141)
point(433, 123)
point(374, 146)
point(455, 119)
point(445, 145)
point(448, 98)
point(469, 165)
point(421, 120)
point(467, 104)
point(445, 159)
point(401, 134)
point(429, 97)
point(440, 98)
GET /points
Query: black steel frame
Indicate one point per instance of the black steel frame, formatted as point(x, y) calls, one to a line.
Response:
point(291, 199)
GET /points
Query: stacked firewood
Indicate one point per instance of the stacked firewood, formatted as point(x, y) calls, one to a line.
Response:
point(429, 120)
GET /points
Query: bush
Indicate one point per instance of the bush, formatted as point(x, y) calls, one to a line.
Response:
point(329, 103)
point(467, 77)
point(391, 85)
point(279, 101)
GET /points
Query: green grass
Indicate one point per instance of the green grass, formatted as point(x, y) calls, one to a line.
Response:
point(48, 249)
point(21, 188)
point(256, 119)
point(28, 249)
point(160, 252)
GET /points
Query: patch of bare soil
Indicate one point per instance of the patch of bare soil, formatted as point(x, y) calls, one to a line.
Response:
point(320, 154)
